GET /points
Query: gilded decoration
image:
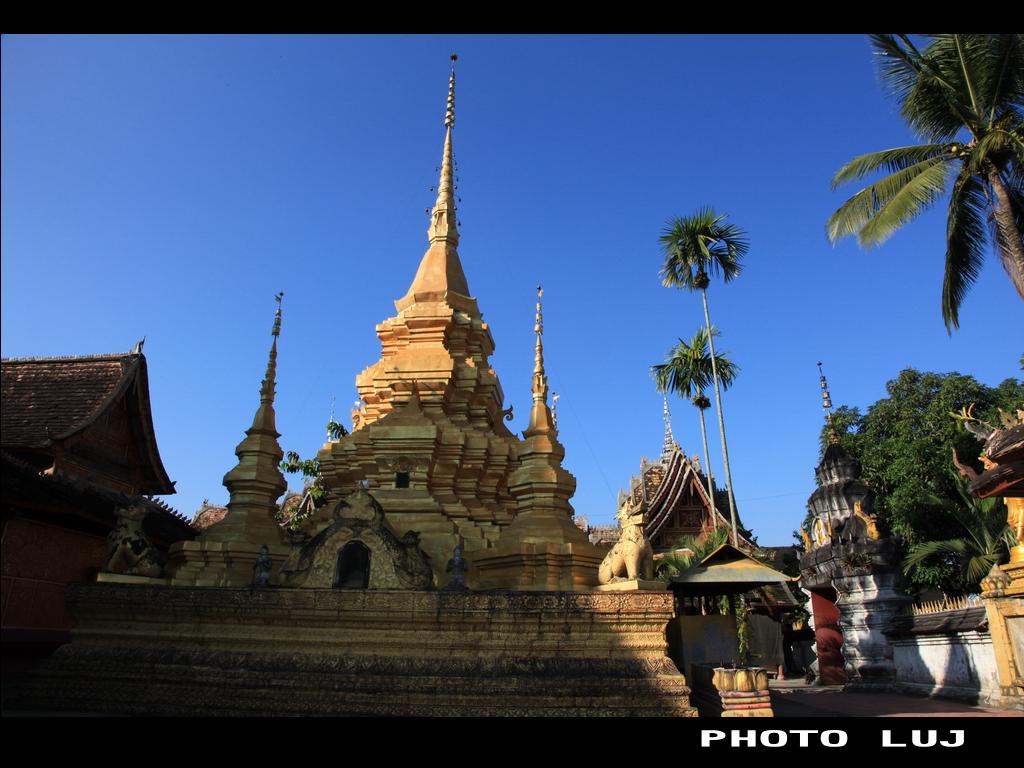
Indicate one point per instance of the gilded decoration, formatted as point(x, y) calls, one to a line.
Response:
point(429, 438)
point(632, 556)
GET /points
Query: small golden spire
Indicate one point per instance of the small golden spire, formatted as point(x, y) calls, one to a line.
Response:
point(540, 380)
point(443, 225)
point(269, 380)
point(826, 404)
point(540, 415)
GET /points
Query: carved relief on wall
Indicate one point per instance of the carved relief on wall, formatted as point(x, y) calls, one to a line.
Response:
point(392, 562)
point(402, 463)
point(690, 518)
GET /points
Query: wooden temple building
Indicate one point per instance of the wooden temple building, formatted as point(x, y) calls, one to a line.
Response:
point(674, 492)
point(77, 447)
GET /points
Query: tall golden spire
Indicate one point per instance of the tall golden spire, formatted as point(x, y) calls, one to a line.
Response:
point(443, 218)
point(540, 415)
point(440, 276)
point(265, 419)
point(254, 484)
point(826, 404)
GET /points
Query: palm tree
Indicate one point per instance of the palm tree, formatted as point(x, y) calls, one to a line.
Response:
point(986, 540)
point(688, 372)
point(694, 247)
point(688, 551)
point(963, 96)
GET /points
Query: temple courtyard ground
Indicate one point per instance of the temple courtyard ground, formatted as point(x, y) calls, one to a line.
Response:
point(794, 698)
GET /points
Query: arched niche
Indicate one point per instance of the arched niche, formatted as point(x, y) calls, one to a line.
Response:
point(353, 566)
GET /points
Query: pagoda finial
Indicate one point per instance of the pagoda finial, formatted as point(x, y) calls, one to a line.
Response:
point(540, 414)
point(666, 448)
point(540, 380)
point(826, 404)
point(270, 379)
point(330, 421)
point(443, 224)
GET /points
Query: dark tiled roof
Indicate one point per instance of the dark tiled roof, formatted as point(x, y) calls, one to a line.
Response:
point(46, 400)
point(50, 398)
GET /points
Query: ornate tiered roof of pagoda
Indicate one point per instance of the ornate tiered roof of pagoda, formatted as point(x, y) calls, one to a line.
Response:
point(438, 338)
point(440, 276)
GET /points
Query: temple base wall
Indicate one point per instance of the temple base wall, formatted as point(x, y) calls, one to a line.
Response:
point(178, 651)
point(958, 665)
point(204, 563)
point(537, 567)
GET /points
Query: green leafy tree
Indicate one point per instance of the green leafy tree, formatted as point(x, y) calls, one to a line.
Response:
point(985, 540)
point(963, 96)
point(904, 443)
point(310, 468)
point(687, 372)
point(697, 247)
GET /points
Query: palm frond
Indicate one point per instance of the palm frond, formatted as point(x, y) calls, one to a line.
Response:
point(918, 553)
point(965, 245)
point(986, 540)
point(999, 146)
point(937, 102)
point(905, 203)
point(896, 159)
point(1002, 81)
point(919, 184)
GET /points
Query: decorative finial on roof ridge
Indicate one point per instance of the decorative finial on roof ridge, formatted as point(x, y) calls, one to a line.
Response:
point(826, 404)
point(443, 224)
point(669, 442)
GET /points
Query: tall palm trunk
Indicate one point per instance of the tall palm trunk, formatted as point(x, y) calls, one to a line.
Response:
point(1009, 243)
point(721, 420)
point(707, 465)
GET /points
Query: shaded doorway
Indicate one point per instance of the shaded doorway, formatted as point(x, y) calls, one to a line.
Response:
point(353, 568)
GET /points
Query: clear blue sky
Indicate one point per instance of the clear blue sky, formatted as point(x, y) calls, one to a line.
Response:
point(167, 187)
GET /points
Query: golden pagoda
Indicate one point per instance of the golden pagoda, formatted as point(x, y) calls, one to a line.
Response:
point(360, 618)
point(429, 440)
point(224, 554)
